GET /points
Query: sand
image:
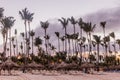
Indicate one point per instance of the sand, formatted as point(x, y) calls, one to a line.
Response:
point(45, 75)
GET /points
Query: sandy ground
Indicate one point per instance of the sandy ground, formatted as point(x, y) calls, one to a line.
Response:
point(61, 76)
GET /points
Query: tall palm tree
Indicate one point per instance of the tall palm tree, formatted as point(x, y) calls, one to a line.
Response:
point(45, 25)
point(68, 36)
point(7, 23)
point(4, 33)
point(106, 41)
point(64, 23)
point(16, 41)
point(29, 19)
point(63, 39)
point(118, 42)
point(32, 34)
point(24, 15)
point(81, 25)
point(13, 39)
point(98, 42)
point(89, 28)
point(112, 34)
point(102, 24)
point(73, 22)
point(23, 36)
point(21, 47)
point(1, 13)
point(58, 36)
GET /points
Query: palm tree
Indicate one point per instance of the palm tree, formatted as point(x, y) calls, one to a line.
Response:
point(81, 25)
point(82, 43)
point(45, 25)
point(24, 15)
point(1, 13)
point(29, 19)
point(13, 39)
point(63, 39)
point(32, 34)
point(118, 42)
point(16, 41)
point(4, 33)
point(38, 42)
point(58, 36)
point(68, 36)
point(73, 22)
point(23, 36)
point(7, 23)
point(89, 28)
point(102, 24)
point(112, 34)
point(64, 23)
point(21, 47)
point(98, 42)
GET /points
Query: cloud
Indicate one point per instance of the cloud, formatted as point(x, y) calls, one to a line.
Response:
point(111, 16)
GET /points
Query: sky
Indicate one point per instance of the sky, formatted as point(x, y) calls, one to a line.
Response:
point(54, 9)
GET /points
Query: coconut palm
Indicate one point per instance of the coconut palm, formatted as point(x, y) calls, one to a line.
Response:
point(13, 39)
point(4, 33)
point(89, 28)
point(21, 47)
point(45, 25)
point(98, 42)
point(112, 34)
point(68, 36)
point(38, 42)
point(32, 34)
point(7, 23)
point(63, 39)
point(24, 15)
point(1, 13)
point(29, 19)
point(58, 36)
point(73, 22)
point(16, 41)
point(64, 23)
point(118, 42)
point(106, 41)
point(102, 24)
point(81, 25)
point(23, 36)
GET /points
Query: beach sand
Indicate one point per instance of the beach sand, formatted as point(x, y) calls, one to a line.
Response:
point(61, 76)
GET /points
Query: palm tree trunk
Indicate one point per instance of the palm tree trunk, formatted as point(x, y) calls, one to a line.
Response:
point(10, 41)
point(32, 46)
point(98, 54)
point(73, 47)
point(65, 41)
point(58, 44)
point(46, 42)
point(16, 45)
point(26, 39)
